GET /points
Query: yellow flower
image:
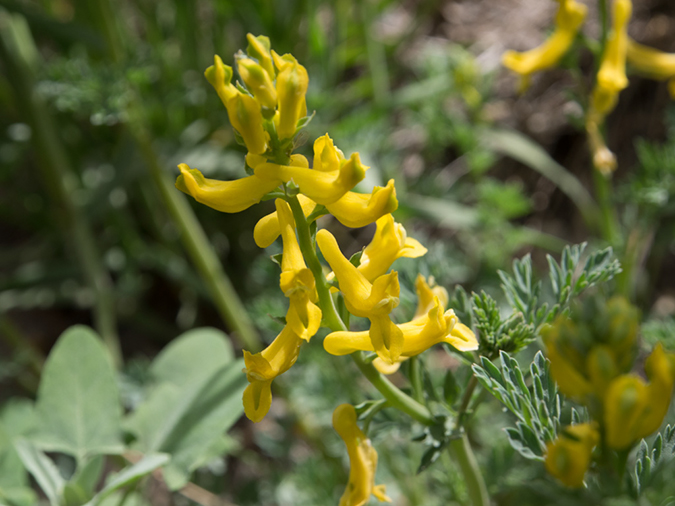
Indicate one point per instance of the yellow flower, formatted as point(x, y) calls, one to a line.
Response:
point(353, 210)
point(259, 48)
point(389, 243)
point(243, 110)
point(652, 63)
point(365, 299)
point(426, 292)
point(437, 326)
point(258, 82)
point(362, 459)
point(292, 83)
point(568, 20)
point(568, 457)
point(322, 186)
point(226, 196)
point(263, 367)
point(633, 408)
point(297, 281)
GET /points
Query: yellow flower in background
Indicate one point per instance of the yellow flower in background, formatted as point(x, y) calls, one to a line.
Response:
point(568, 20)
point(389, 243)
point(437, 326)
point(297, 281)
point(292, 83)
point(362, 459)
point(322, 186)
point(263, 367)
point(226, 196)
point(365, 299)
point(652, 63)
point(635, 409)
point(243, 110)
point(568, 457)
point(611, 78)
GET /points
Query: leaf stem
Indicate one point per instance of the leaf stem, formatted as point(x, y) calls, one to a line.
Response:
point(461, 449)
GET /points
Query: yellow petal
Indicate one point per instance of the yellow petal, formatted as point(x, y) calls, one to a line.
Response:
point(570, 381)
point(650, 62)
point(292, 260)
point(661, 374)
point(568, 457)
point(226, 196)
point(303, 317)
point(267, 229)
point(259, 48)
point(258, 82)
point(355, 210)
point(385, 368)
point(246, 118)
point(462, 338)
point(292, 83)
point(426, 294)
point(625, 402)
point(386, 338)
point(219, 76)
point(322, 187)
point(257, 400)
point(327, 158)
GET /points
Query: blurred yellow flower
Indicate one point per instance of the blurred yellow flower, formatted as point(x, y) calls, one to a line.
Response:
point(568, 20)
point(568, 457)
point(652, 63)
point(362, 460)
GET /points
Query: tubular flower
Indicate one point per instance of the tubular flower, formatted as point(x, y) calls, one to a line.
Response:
point(292, 83)
point(297, 281)
point(365, 299)
point(259, 48)
point(437, 326)
point(262, 368)
point(652, 63)
point(353, 210)
point(243, 110)
point(568, 20)
point(258, 81)
point(226, 196)
point(362, 459)
point(389, 243)
point(633, 408)
point(322, 186)
point(568, 457)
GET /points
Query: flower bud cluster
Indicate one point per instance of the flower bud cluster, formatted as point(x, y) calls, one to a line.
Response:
point(592, 354)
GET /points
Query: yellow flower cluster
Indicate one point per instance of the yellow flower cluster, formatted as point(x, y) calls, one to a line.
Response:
point(611, 78)
point(592, 355)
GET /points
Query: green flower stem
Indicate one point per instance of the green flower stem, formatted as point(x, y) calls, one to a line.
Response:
point(331, 318)
point(196, 243)
point(461, 449)
point(416, 378)
point(59, 176)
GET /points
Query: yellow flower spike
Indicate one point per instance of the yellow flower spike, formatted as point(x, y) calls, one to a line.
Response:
point(435, 327)
point(259, 48)
point(355, 210)
point(426, 295)
point(246, 118)
point(226, 196)
point(611, 77)
point(297, 281)
point(568, 20)
point(652, 63)
point(389, 243)
point(322, 187)
point(262, 368)
point(219, 76)
point(258, 82)
point(362, 459)
point(292, 83)
point(568, 457)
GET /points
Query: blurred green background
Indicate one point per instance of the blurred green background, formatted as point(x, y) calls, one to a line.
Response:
point(101, 100)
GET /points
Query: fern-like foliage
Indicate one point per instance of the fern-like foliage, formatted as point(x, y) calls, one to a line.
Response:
point(537, 407)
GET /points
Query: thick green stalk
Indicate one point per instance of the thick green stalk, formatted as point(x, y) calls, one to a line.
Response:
point(196, 243)
point(331, 318)
point(461, 448)
point(59, 177)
